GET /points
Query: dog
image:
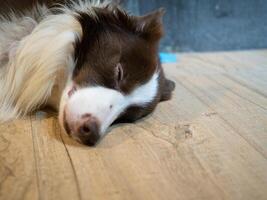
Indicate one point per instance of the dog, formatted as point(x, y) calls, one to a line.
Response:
point(92, 61)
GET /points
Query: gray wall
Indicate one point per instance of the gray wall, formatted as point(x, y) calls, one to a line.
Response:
point(198, 25)
point(208, 25)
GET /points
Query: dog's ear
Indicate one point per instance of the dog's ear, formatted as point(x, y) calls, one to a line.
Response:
point(167, 90)
point(150, 26)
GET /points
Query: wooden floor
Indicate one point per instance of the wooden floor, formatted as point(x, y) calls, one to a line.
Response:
point(209, 142)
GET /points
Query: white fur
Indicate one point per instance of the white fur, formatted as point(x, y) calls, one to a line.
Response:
point(30, 74)
point(83, 6)
point(103, 103)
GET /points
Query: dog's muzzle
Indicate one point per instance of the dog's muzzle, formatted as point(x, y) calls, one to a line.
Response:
point(88, 112)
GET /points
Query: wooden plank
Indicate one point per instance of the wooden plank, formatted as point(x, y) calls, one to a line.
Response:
point(132, 163)
point(242, 107)
point(226, 156)
point(55, 173)
point(17, 162)
point(208, 142)
point(246, 68)
point(247, 117)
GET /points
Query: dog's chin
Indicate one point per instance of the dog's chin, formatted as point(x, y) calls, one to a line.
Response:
point(62, 122)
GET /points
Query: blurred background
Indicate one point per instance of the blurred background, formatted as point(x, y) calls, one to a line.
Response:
point(209, 25)
point(200, 25)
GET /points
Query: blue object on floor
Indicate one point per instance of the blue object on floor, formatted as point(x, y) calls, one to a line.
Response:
point(168, 57)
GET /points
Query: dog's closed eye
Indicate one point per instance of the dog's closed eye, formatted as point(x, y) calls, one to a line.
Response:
point(118, 74)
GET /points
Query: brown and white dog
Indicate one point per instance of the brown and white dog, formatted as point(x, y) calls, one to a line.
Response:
point(90, 60)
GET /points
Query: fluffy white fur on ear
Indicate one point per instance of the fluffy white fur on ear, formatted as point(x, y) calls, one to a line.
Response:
point(87, 6)
point(28, 77)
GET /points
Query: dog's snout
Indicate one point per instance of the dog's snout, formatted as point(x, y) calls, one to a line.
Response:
point(88, 132)
point(85, 128)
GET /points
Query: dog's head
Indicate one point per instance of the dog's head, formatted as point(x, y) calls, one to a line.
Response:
point(117, 76)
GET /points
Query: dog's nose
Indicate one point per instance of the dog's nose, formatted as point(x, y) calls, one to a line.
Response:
point(88, 131)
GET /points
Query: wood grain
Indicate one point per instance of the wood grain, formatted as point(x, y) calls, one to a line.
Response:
point(208, 142)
